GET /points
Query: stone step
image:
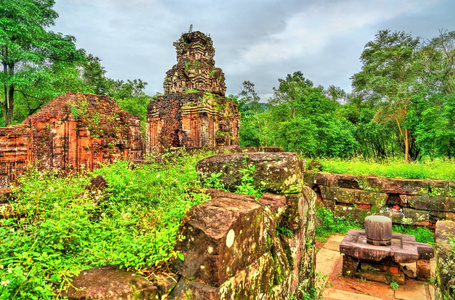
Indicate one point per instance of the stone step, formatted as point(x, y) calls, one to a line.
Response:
point(334, 294)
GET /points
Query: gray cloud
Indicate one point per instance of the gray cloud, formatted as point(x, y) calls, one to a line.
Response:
point(260, 40)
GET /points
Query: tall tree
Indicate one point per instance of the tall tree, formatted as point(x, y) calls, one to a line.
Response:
point(27, 48)
point(389, 72)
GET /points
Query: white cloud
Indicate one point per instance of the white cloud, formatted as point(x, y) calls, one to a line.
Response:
point(309, 30)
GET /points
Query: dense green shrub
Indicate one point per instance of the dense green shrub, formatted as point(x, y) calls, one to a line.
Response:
point(60, 227)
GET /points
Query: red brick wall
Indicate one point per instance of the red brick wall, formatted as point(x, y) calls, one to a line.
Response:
point(55, 137)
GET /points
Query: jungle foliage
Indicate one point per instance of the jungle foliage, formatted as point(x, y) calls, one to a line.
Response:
point(402, 105)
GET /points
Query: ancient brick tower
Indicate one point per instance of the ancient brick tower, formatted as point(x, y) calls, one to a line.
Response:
point(70, 131)
point(193, 112)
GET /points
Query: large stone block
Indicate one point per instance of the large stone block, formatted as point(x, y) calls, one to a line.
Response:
point(445, 259)
point(371, 183)
point(355, 213)
point(279, 173)
point(192, 290)
point(375, 199)
point(221, 237)
point(438, 187)
point(408, 216)
point(355, 196)
point(110, 283)
point(253, 282)
point(328, 193)
point(406, 186)
point(450, 189)
point(431, 203)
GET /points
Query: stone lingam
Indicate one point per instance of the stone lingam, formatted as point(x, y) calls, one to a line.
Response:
point(376, 253)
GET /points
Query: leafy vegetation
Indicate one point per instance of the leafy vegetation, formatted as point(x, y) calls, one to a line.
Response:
point(402, 105)
point(422, 234)
point(394, 286)
point(60, 227)
point(330, 224)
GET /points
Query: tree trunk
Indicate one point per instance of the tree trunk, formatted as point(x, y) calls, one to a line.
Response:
point(406, 145)
point(8, 105)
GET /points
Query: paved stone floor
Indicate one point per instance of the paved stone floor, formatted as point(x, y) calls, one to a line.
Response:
point(336, 287)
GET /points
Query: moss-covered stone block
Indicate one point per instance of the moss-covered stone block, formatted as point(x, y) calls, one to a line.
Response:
point(221, 237)
point(279, 173)
point(192, 290)
point(328, 192)
point(450, 192)
point(371, 183)
point(375, 199)
point(445, 259)
point(110, 283)
point(406, 186)
point(408, 216)
point(251, 282)
point(437, 187)
point(343, 195)
point(355, 213)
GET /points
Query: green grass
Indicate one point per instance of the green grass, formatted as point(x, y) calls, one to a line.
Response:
point(427, 169)
point(331, 224)
point(422, 234)
point(60, 228)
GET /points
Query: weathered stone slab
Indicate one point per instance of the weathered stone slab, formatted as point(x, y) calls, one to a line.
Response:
point(271, 149)
point(404, 248)
point(317, 178)
point(222, 236)
point(295, 216)
point(381, 272)
point(450, 189)
point(328, 192)
point(279, 173)
point(412, 217)
point(406, 186)
point(371, 183)
point(431, 203)
point(192, 290)
point(355, 213)
point(308, 178)
point(110, 283)
point(253, 282)
point(438, 187)
point(445, 258)
point(344, 181)
point(277, 204)
point(355, 196)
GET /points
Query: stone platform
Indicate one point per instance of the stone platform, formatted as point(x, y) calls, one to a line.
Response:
point(382, 263)
point(333, 286)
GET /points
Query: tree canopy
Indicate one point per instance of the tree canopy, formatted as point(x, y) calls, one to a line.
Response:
point(28, 50)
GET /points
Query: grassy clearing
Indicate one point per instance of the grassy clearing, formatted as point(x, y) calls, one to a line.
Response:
point(60, 228)
point(427, 169)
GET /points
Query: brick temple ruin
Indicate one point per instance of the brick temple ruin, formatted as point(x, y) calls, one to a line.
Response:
point(71, 131)
point(193, 112)
point(80, 130)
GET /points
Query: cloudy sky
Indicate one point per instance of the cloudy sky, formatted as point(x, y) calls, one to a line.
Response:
point(259, 41)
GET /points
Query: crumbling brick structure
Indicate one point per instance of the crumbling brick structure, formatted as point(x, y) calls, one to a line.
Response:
point(71, 131)
point(193, 112)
